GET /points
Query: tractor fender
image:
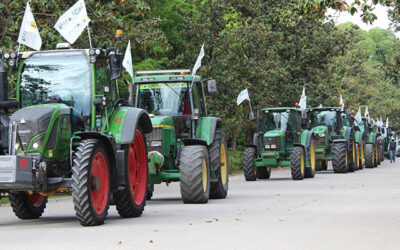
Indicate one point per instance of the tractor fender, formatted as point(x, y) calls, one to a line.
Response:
point(215, 123)
point(340, 141)
point(305, 141)
point(110, 147)
point(255, 142)
point(126, 120)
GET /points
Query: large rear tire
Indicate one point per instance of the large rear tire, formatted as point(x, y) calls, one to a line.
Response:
point(297, 163)
point(131, 200)
point(219, 161)
point(369, 155)
point(310, 171)
point(91, 182)
point(248, 164)
point(195, 174)
point(340, 161)
point(27, 206)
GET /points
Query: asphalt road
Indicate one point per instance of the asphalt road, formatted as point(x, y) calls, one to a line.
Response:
point(332, 211)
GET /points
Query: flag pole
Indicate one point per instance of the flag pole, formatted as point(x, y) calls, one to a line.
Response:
point(251, 116)
point(90, 39)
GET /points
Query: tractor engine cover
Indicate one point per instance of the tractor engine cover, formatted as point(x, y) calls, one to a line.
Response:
point(31, 121)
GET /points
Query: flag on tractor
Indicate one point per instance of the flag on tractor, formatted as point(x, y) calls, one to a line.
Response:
point(244, 95)
point(197, 65)
point(303, 100)
point(358, 116)
point(387, 122)
point(29, 33)
point(127, 62)
point(73, 22)
point(341, 103)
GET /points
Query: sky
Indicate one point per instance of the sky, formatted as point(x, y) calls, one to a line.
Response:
point(380, 11)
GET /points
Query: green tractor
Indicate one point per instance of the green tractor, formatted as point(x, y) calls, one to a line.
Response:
point(186, 145)
point(334, 139)
point(388, 133)
point(72, 131)
point(370, 142)
point(280, 141)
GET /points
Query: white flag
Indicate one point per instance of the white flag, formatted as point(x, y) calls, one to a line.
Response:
point(244, 95)
point(127, 62)
point(358, 117)
point(72, 23)
point(387, 122)
point(303, 100)
point(29, 33)
point(341, 103)
point(197, 65)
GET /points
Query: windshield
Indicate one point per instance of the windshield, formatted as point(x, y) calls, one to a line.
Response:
point(169, 99)
point(323, 118)
point(62, 77)
point(276, 120)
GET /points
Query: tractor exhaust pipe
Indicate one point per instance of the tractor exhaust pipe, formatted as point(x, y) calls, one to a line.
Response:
point(3, 82)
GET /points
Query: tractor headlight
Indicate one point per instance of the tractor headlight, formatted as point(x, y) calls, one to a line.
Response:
point(11, 62)
point(92, 59)
point(13, 55)
point(38, 141)
point(156, 144)
point(267, 146)
point(97, 51)
point(6, 55)
point(273, 146)
point(92, 52)
point(321, 135)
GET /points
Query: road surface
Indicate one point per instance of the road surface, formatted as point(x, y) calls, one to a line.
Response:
point(358, 210)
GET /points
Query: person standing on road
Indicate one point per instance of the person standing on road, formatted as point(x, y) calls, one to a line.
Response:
point(392, 150)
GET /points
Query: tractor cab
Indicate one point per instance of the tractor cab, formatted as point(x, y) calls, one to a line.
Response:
point(280, 127)
point(326, 121)
point(173, 98)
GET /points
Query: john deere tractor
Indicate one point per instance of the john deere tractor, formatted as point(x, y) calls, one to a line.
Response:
point(71, 131)
point(370, 141)
point(334, 139)
point(279, 141)
point(187, 144)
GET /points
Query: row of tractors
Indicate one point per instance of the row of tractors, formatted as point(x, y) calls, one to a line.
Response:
point(68, 128)
point(306, 140)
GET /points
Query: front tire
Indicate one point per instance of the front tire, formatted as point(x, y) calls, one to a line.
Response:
point(195, 174)
point(340, 158)
point(220, 165)
point(352, 154)
point(27, 206)
point(310, 171)
point(131, 200)
point(91, 182)
point(297, 163)
point(248, 164)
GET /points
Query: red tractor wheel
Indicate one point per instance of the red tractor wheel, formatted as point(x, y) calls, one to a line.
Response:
point(131, 200)
point(28, 206)
point(91, 182)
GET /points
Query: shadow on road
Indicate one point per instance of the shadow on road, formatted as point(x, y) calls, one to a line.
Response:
point(325, 172)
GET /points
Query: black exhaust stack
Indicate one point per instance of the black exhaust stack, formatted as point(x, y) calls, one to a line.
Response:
point(3, 83)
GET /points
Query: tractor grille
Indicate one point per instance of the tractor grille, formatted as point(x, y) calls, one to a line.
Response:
point(272, 143)
point(155, 135)
point(319, 141)
point(31, 121)
point(154, 140)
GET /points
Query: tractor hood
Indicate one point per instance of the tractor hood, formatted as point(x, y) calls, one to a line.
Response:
point(34, 123)
point(319, 129)
point(162, 121)
point(274, 133)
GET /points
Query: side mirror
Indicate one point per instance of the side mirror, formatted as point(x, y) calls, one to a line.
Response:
point(212, 86)
point(115, 62)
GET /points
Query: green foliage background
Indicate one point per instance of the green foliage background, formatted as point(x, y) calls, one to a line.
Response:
point(273, 48)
